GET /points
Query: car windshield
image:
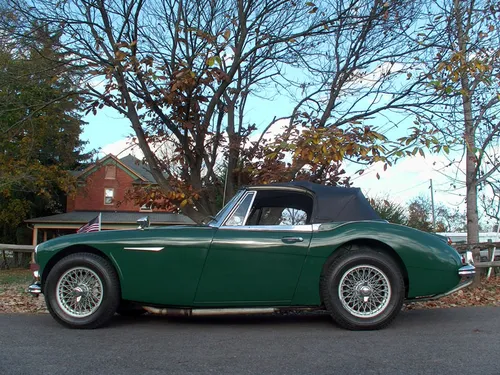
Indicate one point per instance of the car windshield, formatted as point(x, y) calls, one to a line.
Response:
point(225, 210)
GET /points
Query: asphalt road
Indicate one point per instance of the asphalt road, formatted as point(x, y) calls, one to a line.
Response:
point(441, 341)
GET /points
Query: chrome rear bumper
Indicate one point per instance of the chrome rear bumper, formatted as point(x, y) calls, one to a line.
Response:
point(467, 271)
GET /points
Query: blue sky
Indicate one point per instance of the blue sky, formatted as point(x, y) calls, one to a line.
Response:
point(106, 127)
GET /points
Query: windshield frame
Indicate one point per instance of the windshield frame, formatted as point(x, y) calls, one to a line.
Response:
point(218, 219)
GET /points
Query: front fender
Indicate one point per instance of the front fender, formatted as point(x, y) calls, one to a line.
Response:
point(151, 263)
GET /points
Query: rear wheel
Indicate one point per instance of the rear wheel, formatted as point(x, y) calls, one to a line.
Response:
point(363, 289)
point(82, 291)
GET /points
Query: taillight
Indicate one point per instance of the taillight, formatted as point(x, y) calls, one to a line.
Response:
point(467, 258)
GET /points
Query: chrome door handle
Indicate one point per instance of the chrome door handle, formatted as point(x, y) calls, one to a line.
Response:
point(292, 239)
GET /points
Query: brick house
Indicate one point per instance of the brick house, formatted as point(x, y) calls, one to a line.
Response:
point(101, 189)
point(102, 186)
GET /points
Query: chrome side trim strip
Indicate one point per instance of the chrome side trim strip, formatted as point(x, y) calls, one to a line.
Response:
point(271, 228)
point(330, 225)
point(144, 248)
point(228, 311)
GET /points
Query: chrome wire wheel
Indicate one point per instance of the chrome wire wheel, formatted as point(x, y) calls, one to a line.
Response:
point(79, 292)
point(364, 291)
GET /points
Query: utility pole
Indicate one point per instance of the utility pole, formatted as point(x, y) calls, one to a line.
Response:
point(433, 212)
point(225, 187)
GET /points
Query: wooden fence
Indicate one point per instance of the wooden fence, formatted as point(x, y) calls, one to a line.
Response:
point(490, 246)
point(21, 255)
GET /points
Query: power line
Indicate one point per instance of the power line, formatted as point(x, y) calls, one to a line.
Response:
point(412, 187)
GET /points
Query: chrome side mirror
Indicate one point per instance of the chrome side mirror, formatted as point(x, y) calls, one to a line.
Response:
point(143, 222)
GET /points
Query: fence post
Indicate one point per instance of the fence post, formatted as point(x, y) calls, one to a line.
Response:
point(491, 257)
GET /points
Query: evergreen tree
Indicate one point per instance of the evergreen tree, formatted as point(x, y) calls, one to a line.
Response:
point(40, 126)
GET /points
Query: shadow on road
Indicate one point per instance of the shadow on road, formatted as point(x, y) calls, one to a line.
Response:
point(425, 319)
point(243, 320)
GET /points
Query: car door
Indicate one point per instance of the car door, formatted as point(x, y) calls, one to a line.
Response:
point(251, 264)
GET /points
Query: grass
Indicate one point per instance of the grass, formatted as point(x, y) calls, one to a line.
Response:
point(15, 276)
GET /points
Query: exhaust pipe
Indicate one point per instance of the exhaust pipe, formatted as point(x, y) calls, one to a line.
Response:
point(225, 311)
point(208, 312)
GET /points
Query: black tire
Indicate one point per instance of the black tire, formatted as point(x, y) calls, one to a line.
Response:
point(346, 274)
point(130, 309)
point(96, 307)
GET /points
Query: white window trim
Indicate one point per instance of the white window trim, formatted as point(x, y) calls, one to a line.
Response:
point(112, 197)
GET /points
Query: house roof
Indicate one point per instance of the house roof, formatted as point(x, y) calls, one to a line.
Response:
point(138, 166)
point(111, 217)
point(130, 164)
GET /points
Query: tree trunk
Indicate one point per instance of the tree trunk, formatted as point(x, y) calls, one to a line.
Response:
point(234, 147)
point(469, 136)
point(471, 200)
point(470, 174)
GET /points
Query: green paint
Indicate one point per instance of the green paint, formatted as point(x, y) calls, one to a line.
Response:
point(252, 266)
point(205, 266)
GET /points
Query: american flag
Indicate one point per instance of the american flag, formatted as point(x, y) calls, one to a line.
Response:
point(93, 225)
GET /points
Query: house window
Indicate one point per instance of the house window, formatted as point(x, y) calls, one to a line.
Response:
point(110, 172)
point(109, 194)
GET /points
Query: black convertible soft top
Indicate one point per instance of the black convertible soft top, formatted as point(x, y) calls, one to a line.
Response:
point(333, 203)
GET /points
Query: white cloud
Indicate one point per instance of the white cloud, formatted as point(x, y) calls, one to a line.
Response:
point(122, 148)
point(410, 177)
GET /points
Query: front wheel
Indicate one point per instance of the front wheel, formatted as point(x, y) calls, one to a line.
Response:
point(82, 291)
point(363, 289)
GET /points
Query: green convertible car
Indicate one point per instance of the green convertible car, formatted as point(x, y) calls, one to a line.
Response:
point(274, 247)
